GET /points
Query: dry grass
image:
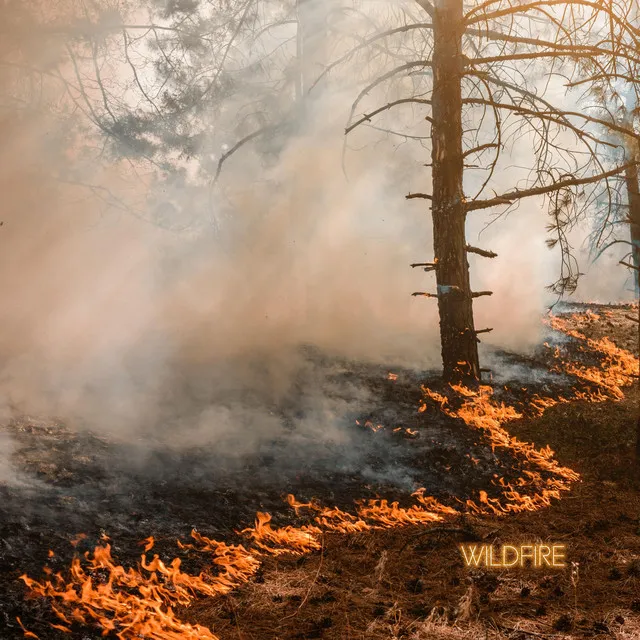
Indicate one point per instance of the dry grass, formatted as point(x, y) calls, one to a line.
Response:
point(411, 583)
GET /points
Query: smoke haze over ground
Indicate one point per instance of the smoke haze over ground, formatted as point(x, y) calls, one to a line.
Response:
point(193, 337)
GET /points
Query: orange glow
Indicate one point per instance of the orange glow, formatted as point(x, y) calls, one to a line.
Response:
point(618, 369)
point(139, 602)
point(285, 540)
point(148, 543)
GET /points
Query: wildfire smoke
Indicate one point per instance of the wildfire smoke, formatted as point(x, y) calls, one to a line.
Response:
point(141, 602)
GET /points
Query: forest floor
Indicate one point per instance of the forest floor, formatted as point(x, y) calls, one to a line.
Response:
point(412, 582)
point(406, 582)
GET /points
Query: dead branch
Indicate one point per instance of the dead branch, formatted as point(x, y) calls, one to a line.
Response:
point(482, 147)
point(424, 295)
point(383, 78)
point(533, 55)
point(225, 156)
point(556, 117)
point(572, 49)
point(517, 194)
point(414, 196)
point(540, 5)
point(478, 331)
point(478, 294)
point(428, 266)
point(367, 116)
point(536, 99)
point(481, 252)
point(364, 44)
point(627, 264)
point(427, 6)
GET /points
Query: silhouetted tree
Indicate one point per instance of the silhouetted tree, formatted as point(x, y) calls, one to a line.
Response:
point(206, 80)
point(484, 63)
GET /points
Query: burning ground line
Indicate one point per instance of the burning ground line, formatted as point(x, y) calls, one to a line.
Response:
point(140, 602)
point(480, 411)
point(619, 370)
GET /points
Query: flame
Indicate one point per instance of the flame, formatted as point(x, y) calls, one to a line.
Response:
point(141, 602)
point(285, 540)
point(330, 519)
point(27, 634)
point(376, 514)
point(618, 370)
point(480, 411)
point(148, 543)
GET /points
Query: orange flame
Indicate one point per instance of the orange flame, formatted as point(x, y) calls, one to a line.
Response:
point(139, 602)
point(618, 369)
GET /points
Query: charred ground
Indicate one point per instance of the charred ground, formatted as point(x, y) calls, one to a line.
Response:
point(411, 583)
point(87, 484)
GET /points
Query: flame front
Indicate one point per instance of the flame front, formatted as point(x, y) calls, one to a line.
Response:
point(140, 602)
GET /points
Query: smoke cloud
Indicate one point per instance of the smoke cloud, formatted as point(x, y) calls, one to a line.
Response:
point(194, 337)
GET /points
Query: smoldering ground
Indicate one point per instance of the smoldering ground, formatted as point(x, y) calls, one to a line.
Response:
point(136, 333)
point(156, 378)
point(228, 337)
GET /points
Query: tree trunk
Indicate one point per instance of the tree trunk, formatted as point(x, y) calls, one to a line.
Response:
point(455, 306)
point(638, 420)
point(632, 180)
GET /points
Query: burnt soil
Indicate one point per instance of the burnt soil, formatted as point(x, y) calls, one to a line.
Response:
point(412, 583)
point(75, 482)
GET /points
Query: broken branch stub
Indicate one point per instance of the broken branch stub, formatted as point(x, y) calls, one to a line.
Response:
point(481, 252)
point(428, 266)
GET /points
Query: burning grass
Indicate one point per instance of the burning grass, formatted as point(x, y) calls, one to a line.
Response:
point(144, 601)
point(617, 370)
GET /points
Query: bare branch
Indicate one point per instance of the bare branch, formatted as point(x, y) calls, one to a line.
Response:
point(428, 266)
point(225, 156)
point(414, 196)
point(481, 252)
point(367, 116)
point(480, 149)
point(427, 6)
point(383, 78)
point(517, 194)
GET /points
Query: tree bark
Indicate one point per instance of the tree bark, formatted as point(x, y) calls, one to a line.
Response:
point(632, 181)
point(638, 419)
point(455, 306)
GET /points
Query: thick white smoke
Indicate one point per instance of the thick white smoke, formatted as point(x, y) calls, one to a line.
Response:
point(117, 325)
